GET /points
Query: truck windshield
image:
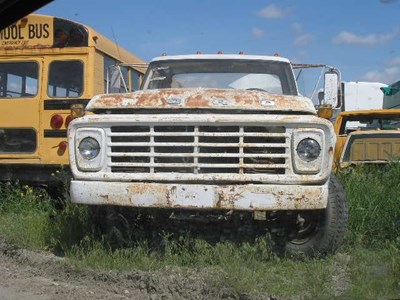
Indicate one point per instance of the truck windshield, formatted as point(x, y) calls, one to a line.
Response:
point(274, 77)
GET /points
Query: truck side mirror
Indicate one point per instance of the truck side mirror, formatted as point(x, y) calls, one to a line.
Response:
point(331, 88)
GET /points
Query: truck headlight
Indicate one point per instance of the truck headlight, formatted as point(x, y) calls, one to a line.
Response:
point(89, 148)
point(308, 149)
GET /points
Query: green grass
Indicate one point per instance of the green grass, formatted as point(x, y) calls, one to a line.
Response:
point(29, 218)
point(24, 216)
point(355, 272)
point(367, 266)
point(373, 193)
point(374, 273)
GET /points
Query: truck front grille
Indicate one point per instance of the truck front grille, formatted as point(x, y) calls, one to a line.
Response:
point(194, 149)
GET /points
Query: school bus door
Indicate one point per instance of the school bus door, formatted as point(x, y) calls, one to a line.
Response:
point(20, 94)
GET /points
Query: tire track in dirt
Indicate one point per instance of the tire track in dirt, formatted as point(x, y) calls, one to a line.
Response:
point(33, 275)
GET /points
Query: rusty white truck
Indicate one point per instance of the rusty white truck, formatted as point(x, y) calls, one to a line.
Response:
point(222, 134)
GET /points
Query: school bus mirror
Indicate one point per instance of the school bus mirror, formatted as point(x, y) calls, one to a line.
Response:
point(77, 110)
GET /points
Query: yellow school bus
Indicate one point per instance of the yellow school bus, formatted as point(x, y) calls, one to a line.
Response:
point(49, 69)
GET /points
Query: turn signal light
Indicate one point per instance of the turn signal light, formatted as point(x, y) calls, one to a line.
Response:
point(68, 120)
point(56, 121)
point(62, 145)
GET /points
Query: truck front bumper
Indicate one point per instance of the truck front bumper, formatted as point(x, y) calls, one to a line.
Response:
point(199, 196)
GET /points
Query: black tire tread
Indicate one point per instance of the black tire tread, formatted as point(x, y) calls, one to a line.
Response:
point(329, 234)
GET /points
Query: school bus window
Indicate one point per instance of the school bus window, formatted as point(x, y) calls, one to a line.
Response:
point(65, 79)
point(18, 79)
point(135, 79)
point(17, 140)
point(112, 76)
point(43, 50)
point(118, 79)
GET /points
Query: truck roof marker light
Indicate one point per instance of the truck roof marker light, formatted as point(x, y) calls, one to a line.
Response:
point(220, 52)
point(276, 54)
point(199, 52)
point(56, 121)
point(164, 54)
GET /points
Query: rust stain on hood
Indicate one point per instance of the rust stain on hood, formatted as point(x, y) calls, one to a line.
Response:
point(203, 99)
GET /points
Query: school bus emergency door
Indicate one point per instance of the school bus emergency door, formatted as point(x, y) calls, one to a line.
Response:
point(19, 105)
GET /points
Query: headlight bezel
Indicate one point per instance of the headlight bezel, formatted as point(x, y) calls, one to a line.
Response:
point(96, 163)
point(300, 165)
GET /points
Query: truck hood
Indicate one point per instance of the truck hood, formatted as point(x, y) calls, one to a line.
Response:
point(202, 99)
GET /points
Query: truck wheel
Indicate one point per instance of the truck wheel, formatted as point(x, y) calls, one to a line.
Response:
point(321, 232)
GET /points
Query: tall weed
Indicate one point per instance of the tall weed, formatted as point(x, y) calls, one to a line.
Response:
point(373, 193)
point(30, 218)
point(24, 216)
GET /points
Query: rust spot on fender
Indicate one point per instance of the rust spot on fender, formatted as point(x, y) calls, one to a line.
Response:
point(105, 197)
point(228, 198)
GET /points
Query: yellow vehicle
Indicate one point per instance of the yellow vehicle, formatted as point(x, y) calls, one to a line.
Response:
point(367, 136)
point(49, 69)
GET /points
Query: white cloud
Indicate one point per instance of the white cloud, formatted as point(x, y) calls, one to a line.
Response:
point(346, 37)
point(297, 28)
point(301, 38)
point(272, 12)
point(389, 36)
point(257, 32)
point(395, 61)
point(388, 75)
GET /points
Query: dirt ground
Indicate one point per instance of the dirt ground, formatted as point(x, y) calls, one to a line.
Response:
point(36, 276)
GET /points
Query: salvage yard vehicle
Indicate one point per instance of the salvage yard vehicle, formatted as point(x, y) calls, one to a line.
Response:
point(220, 134)
point(375, 140)
point(49, 69)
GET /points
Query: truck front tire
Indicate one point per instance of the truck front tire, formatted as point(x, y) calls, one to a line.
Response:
point(321, 232)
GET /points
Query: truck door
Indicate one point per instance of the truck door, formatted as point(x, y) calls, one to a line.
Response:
point(20, 95)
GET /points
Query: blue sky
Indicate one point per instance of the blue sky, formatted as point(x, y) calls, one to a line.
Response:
point(361, 38)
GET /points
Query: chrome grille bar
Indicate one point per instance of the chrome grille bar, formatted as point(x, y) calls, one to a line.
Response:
point(198, 149)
